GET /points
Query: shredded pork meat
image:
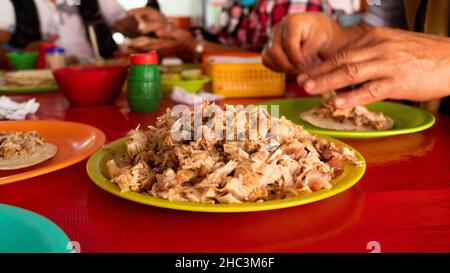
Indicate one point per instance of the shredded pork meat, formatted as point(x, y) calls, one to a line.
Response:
point(16, 144)
point(211, 170)
point(359, 115)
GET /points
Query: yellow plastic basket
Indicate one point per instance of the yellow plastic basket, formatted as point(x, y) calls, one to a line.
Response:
point(246, 80)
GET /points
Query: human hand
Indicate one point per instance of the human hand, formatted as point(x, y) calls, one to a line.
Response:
point(298, 41)
point(34, 46)
point(149, 19)
point(176, 42)
point(389, 64)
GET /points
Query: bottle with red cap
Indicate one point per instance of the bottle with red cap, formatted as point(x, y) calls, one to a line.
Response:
point(41, 61)
point(144, 87)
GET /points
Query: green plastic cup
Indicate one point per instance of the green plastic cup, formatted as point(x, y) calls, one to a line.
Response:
point(20, 60)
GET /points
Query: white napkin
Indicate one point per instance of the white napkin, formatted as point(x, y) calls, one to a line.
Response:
point(12, 110)
point(182, 96)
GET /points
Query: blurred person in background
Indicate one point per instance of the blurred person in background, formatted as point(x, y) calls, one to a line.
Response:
point(24, 24)
point(401, 50)
point(153, 4)
point(244, 25)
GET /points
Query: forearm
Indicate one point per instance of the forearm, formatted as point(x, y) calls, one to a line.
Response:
point(208, 48)
point(212, 48)
point(128, 27)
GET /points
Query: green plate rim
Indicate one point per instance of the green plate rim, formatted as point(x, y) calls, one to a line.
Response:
point(96, 176)
point(201, 79)
point(428, 123)
point(25, 89)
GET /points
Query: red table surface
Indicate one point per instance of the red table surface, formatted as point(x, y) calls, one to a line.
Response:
point(402, 202)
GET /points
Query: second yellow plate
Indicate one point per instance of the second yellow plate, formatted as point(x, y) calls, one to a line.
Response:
point(96, 168)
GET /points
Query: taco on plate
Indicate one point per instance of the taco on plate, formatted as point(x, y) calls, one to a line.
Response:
point(359, 118)
point(23, 149)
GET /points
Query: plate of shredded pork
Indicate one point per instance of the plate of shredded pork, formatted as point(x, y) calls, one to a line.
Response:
point(278, 165)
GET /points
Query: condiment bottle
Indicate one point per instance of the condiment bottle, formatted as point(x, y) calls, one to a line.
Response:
point(40, 63)
point(144, 87)
point(55, 58)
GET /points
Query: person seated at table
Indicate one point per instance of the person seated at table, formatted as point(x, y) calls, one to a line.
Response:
point(25, 24)
point(244, 25)
point(382, 62)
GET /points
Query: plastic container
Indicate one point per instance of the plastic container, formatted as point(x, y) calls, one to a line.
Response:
point(20, 60)
point(40, 63)
point(144, 86)
point(91, 86)
point(244, 76)
point(55, 58)
point(191, 86)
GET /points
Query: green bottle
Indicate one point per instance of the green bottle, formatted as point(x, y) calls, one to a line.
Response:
point(144, 86)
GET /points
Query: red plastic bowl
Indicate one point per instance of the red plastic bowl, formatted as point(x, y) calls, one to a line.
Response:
point(87, 86)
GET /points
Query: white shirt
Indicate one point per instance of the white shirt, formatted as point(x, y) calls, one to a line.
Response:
point(67, 24)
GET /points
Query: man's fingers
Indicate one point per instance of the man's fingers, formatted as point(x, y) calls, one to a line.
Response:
point(292, 36)
point(161, 47)
point(370, 92)
point(346, 75)
point(173, 34)
point(346, 54)
point(138, 14)
point(343, 58)
point(164, 34)
point(312, 47)
point(142, 12)
point(268, 63)
point(141, 47)
point(279, 61)
point(52, 38)
point(274, 52)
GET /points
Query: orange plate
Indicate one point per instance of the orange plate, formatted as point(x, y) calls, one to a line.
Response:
point(75, 142)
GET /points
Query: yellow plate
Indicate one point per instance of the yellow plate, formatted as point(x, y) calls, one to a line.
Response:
point(96, 168)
